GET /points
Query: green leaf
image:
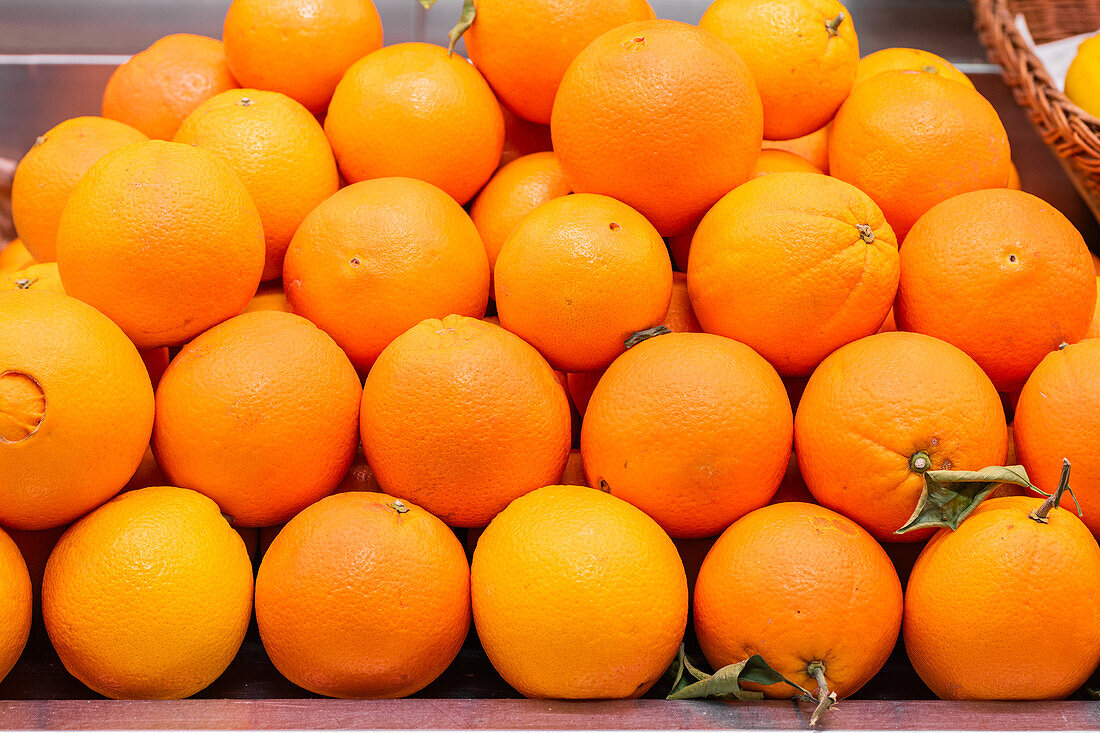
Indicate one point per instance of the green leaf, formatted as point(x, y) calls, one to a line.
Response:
point(726, 682)
point(950, 496)
point(469, 12)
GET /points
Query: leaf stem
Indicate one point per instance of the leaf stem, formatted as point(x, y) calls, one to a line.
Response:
point(1040, 514)
point(833, 26)
point(825, 699)
point(639, 336)
point(920, 462)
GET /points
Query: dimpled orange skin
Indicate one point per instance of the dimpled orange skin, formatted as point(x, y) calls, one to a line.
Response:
point(874, 404)
point(157, 88)
point(48, 173)
point(1016, 575)
point(270, 297)
point(813, 147)
point(908, 59)
point(14, 257)
point(523, 47)
point(1001, 274)
point(76, 409)
point(35, 277)
point(363, 596)
point(300, 48)
point(578, 276)
point(1058, 416)
point(782, 161)
point(260, 413)
point(910, 140)
point(1094, 328)
point(162, 238)
point(660, 115)
point(461, 417)
point(694, 429)
point(803, 67)
point(380, 256)
point(149, 597)
point(280, 152)
point(15, 604)
point(795, 265)
point(797, 583)
point(578, 595)
point(413, 110)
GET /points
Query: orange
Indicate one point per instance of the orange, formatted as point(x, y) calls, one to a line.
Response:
point(879, 412)
point(148, 473)
point(578, 276)
point(149, 596)
point(573, 475)
point(681, 315)
point(782, 161)
point(523, 47)
point(660, 115)
point(14, 257)
point(48, 173)
point(1002, 275)
point(164, 239)
point(280, 153)
point(522, 137)
point(793, 487)
point(43, 277)
point(513, 192)
point(1014, 178)
point(76, 409)
point(910, 140)
point(578, 594)
point(260, 414)
point(15, 604)
point(908, 59)
point(1058, 416)
point(889, 324)
point(380, 256)
point(156, 89)
point(299, 47)
point(800, 585)
point(580, 386)
point(679, 246)
point(414, 110)
point(795, 265)
point(156, 361)
point(814, 147)
point(460, 417)
point(270, 297)
point(1094, 327)
point(360, 476)
point(1017, 576)
point(693, 429)
point(803, 55)
point(363, 595)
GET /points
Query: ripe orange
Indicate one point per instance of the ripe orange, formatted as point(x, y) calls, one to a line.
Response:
point(14, 257)
point(577, 594)
point(578, 276)
point(460, 417)
point(156, 89)
point(363, 595)
point(44, 277)
point(782, 161)
point(681, 315)
point(801, 586)
point(260, 413)
point(149, 596)
point(813, 147)
point(910, 140)
point(164, 239)
point(660, 115)
point(270, 297)
point(1002, 275)
point(1014, 178)
point(380, 256)
point(299, 47)
point(693, 429)
point(879, 412)
point(803, 55)
point(522, 137)
point(1094, 328)
point(580, 386)
point(573, 475)
point(48, 173)
point(795, 265)
point(66, 372)
point(280, 152)
point(414, 110)
point(1096, 262)
point(908, 59)
point(523, 47)
point(15, 604)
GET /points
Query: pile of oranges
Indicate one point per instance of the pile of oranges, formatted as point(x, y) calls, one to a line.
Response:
point(630, 309)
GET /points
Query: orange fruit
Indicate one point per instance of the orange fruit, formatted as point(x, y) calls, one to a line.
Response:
point(513, 192)
point(693, 429)
point(360, 476)
point(66, 372)
point(280, 153)
point(793, 487)
point(523, 47)
point(414, 110)
point(580, 386)
point(363, 595)
point(573, 475)
point(522, 137)
point(782, 161)
point(148, 473)
point(149, 596)
point(270, 297)
point(157, 88)
point(1094, 328)
point(14, 257)
point(679, 246)
point(889, 324)
point(908, 59)
point(578, 276)
point(577, 594)
point(814, 147)
point(795, 265)
point(48, 173)
point(388, 253)
point(660, 115)
point(260, 413)
point(299, 47)
point(156, 362)
point(803, 55)
point(424, 396)
point(879, 412)
point(164, 239)
point(1002, 275)
point(800, 585)
point(681, 316)
point(910, 140)
point(1032, 642)
point(1013, 178)
point(43, 277)
point(15, 604)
